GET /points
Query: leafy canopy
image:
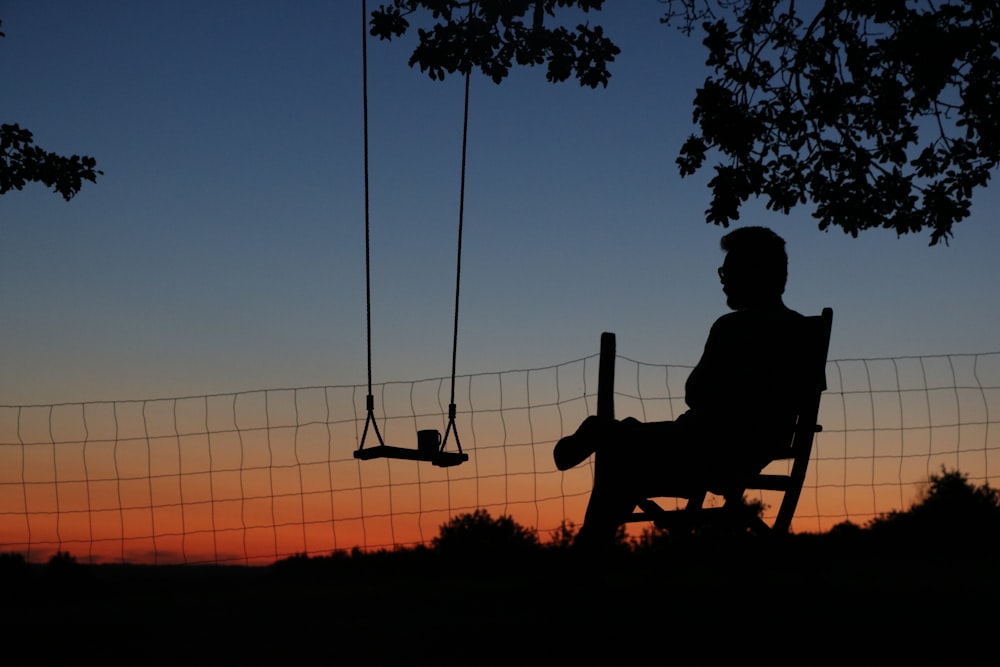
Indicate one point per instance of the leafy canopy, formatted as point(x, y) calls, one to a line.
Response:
point(494, 34)
point(22, 162)
point(878, 114)
point(883, 114)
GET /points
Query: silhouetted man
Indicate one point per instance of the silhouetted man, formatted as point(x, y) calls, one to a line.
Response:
point(740, 398)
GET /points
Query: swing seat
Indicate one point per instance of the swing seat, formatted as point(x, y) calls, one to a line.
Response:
point(439, 458)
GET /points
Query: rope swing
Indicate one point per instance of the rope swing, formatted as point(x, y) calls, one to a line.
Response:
point(430, 445)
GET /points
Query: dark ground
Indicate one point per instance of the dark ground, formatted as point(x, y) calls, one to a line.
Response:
point(770, 599)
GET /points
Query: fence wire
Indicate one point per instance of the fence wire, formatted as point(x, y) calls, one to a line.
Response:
point(252, 477)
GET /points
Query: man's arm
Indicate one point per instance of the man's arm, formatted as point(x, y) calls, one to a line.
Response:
point(708, 377)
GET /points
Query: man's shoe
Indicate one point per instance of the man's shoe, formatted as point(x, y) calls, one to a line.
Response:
point(574, 449)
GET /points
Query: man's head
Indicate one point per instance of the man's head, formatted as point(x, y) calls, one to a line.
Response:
point(755, 269)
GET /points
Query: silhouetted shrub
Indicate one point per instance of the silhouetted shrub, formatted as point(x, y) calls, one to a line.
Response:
point(297, 563)
point(847, 531)
point(563, 536)
point(12, 565)
point(650, 538)
point(950, 514)
point(481, 535)
point(69, 575)
point(63, 561)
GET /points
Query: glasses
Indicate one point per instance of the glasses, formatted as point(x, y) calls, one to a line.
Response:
point(722, 273)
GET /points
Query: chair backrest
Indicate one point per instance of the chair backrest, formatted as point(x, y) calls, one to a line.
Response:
point(816, 330)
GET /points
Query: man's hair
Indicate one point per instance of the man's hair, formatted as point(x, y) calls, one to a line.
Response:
point(761, 251)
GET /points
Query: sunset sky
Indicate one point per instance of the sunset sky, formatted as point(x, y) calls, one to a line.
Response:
point(222, 250)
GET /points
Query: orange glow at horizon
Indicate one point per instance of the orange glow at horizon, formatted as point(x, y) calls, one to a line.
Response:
point(254, 477)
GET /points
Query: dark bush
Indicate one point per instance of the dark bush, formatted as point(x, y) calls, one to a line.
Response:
point(479, 534)
point(952, 514)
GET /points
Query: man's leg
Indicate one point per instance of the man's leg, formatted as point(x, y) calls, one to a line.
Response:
point(633, 461)
point(609, 503)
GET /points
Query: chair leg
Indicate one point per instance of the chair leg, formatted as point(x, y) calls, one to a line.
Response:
point(743, 516)
point(675, 522)
point(694, 503)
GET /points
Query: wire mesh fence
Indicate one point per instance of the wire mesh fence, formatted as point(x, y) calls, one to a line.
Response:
point(253, 477)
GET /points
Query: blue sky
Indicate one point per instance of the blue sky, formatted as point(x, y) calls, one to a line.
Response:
point(223, 248)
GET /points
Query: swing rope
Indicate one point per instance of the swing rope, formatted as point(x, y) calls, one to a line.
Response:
point(370, 420)
point(458, 263)
point(370, 401)
point(368, 264)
